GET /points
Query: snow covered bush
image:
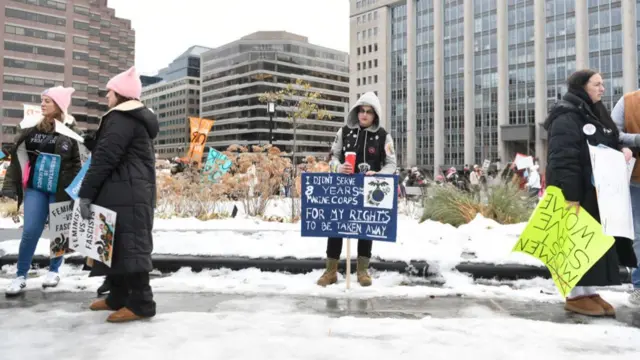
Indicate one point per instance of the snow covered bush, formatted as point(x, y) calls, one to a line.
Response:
point(506, 204)
point(8, 208)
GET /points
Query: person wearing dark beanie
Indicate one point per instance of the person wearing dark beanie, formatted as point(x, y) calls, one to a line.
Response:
point(574, 122)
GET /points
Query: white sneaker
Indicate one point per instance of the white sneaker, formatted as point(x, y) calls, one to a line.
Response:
point(634, 298)
point(17, 286)
point(51, 280)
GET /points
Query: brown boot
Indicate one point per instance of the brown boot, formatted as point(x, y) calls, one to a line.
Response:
point(584, 305)
point(609, 310)
point(330, 275)
point(363, 275)
point(123, 315)
point(100, 305)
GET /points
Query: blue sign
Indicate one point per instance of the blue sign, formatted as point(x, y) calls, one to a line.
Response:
point(352, 206)
point(2, 155)
point(217, 164)
point(74, 188)
point(46, 172)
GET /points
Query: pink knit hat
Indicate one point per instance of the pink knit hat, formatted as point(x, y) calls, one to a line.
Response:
point(127, 84)
point(61, 96)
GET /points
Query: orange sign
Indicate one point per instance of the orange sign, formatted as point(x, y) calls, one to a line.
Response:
point(199, 130)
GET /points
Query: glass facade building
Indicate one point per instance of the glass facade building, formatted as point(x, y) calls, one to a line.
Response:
point(493, 137)
point(235, 75)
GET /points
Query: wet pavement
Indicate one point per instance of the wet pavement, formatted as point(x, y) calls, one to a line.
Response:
point(437, 307)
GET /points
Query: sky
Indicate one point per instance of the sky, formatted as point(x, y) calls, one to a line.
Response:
point(166, 28)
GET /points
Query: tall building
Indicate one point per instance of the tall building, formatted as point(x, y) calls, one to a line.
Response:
point(78, 43)
point(174, 94)
point(455, 94)
point(236, 74)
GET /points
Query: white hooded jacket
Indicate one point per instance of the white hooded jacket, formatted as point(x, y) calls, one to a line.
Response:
point(389, 161)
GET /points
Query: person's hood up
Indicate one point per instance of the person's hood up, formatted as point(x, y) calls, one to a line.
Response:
point(138, 111)
point(370, 99)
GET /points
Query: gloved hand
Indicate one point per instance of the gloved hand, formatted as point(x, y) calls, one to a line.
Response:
point(85, 208)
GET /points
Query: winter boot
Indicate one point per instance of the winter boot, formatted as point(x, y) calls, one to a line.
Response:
point(584, 305)
point(364, 279)
point(123, 315)
point(609, 310)
point(330, 275)
point(100, 305)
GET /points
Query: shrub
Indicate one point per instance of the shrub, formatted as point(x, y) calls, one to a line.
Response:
point(506, 204)
point(8, 208)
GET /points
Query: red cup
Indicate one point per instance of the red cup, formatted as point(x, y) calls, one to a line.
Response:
point(350, 157)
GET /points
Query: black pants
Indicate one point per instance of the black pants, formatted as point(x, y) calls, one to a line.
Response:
point(133, 292)
point(334, 248)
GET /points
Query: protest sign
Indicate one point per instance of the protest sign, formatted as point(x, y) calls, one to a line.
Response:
point(59, 224)
point(217, 164)
point(353, 206)
point(199, 131)
point(94, 237)
point(74, 188)
point(46, 172)
point(611, 179)
point(567, 243)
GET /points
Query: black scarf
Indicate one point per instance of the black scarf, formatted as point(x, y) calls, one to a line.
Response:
point(598, 109)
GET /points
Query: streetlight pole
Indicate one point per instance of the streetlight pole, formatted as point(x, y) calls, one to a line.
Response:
point(271, 109)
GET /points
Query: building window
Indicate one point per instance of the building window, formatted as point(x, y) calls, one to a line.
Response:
point(364, 49)
point(364, 80)
point(375, 79)
point(364, 64)
point(51, 4)
point(375, 46)
point(358, 50)
point(78, 71)
point(375, 62)
point(21, 80)
point(375, 15)
point(38, 34)
point(81, 10)
point(358, 66)
point(80, 25)
point(80, 40)
point(375, 31)
point(358, 82)
point(33, 65)
point(33, 49)
point(29, 16)
point(370, 48)
point(370, 64)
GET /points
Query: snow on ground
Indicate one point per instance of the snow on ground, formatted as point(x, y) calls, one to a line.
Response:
point(443, 246)
point(8, 223)
point(385, 284)
point(273, 330)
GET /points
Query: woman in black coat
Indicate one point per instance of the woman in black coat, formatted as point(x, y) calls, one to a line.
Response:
point(122, 178)
point(578, 118)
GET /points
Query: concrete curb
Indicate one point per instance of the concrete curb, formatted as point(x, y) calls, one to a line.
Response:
point(171, 263)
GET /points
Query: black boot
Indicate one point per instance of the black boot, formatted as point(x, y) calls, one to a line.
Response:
point(105, 287)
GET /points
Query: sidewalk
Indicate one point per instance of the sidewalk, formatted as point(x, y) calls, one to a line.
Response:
point(436, 307)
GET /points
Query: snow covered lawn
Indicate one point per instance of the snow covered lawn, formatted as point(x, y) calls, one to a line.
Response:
point(443, 246)
point(275, 331)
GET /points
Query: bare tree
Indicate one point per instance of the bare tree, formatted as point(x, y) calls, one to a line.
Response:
point(302, 104)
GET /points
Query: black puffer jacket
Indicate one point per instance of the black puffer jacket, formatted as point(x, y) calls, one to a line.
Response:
point(122, 178)
point(66, 147)
point(569, 168)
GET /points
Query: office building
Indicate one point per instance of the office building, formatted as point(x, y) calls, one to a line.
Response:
point(174, 95)
point(236, 74)
point(455, 94)
point(78, 43)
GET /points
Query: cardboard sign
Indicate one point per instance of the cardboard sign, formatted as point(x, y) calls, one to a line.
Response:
point(59, 224)
point(567, 243)
point(199, 131)
point(94, 237)
point(46, 173)
point(74, 188)
point(353, 206)
point(217, 164)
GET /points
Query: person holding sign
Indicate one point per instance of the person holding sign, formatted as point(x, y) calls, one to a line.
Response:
point(361, 146)
point(626, 115)
point(122, 178)
point(45, 160)
point(575, 122)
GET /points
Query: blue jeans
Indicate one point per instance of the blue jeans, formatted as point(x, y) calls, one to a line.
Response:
point(635, 208)
point(36, 211)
